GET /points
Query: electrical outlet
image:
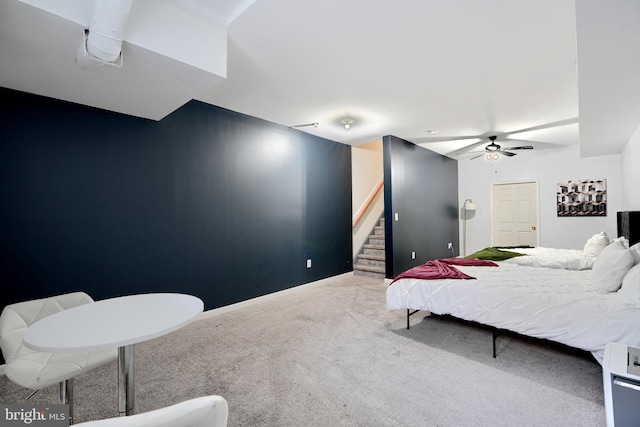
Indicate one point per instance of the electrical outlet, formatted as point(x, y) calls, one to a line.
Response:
point(309, 263)
point(449, 245)
point(413, 255)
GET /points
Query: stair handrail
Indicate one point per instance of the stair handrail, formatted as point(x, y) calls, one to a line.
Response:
point(369, 200)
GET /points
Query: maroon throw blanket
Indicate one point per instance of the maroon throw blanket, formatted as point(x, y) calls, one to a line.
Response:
point(441, 269)
point(469, 262)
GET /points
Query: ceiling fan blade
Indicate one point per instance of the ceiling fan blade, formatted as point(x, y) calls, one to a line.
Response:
point(506, 153)
point(545, 126)
point(466, 149)
point(516, 141)
point(475, 157)
point(536, 144)
point(523, 147)
point(433, 139)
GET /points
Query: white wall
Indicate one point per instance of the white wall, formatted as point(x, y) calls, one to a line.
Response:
point(631, 173)
point(366, 171)
point(547, 168)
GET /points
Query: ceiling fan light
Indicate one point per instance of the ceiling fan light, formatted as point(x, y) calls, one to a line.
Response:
point(495, 156)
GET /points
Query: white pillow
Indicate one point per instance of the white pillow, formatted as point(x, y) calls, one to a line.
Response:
point(635, 251)
point(596, 244)
point(630, 289)
point(623, 240)
point(610, 267)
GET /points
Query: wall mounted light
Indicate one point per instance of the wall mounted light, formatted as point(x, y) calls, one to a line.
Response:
point(469, 205)
point(347, 123)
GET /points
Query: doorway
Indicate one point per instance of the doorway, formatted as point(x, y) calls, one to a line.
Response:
point(514, 210)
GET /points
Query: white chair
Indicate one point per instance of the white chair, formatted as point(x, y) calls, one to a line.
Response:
point(207, 411)
point(36, 370)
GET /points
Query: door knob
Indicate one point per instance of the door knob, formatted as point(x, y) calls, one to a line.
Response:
point(533, 227)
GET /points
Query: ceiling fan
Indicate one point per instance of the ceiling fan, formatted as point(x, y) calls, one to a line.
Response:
point(493, 150)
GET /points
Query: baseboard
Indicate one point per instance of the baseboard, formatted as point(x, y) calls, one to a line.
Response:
point(252, 301)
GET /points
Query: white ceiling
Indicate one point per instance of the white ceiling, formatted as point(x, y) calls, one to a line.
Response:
point(464, 68)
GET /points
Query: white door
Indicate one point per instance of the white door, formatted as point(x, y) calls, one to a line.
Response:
point(515, 214)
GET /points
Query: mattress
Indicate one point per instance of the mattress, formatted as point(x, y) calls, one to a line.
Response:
point(555, 304)
point(570, 259)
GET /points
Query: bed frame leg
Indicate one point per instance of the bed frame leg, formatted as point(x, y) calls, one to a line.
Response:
point(496, 332)
point(409, 314)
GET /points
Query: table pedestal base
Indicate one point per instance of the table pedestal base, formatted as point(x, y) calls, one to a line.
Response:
point(126, 379)
point(66, 396)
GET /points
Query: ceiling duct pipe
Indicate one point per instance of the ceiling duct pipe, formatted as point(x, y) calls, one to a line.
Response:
point(103, 40)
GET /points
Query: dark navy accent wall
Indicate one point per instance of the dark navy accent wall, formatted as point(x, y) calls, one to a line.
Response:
point(206, 201)
point(388, 204)
point(421, 187)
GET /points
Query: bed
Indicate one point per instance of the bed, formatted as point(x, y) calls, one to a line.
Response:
point(583, 309)
point(570, 259)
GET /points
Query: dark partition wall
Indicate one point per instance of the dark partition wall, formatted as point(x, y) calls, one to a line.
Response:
point(421, 205)
point(206, 201)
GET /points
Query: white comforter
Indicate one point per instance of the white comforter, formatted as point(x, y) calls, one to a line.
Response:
point(553, 304)
point(570, 259)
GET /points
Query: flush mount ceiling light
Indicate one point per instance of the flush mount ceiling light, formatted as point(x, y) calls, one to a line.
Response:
point(432, 131)
point(347, 123)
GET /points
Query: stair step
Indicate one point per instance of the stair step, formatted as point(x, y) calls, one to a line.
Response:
point(364, 267)
point(369, 249)
point(372, 246)
point(371, 261)
point(370, 274)
point(375, 257)
point(369, 271)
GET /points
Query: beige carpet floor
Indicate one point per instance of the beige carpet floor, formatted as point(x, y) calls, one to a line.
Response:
point(329, 354)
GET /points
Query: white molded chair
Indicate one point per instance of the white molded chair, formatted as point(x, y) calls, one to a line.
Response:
point(36, 370)
point(207, 411)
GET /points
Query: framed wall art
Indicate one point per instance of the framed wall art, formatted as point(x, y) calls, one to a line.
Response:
point(582, 198)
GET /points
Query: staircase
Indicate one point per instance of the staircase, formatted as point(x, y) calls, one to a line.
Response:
point(370, 260)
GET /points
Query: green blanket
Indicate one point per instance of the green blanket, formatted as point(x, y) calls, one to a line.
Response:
point(494, 254)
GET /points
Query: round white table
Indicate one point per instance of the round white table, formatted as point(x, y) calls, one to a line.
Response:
point(116, 322)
